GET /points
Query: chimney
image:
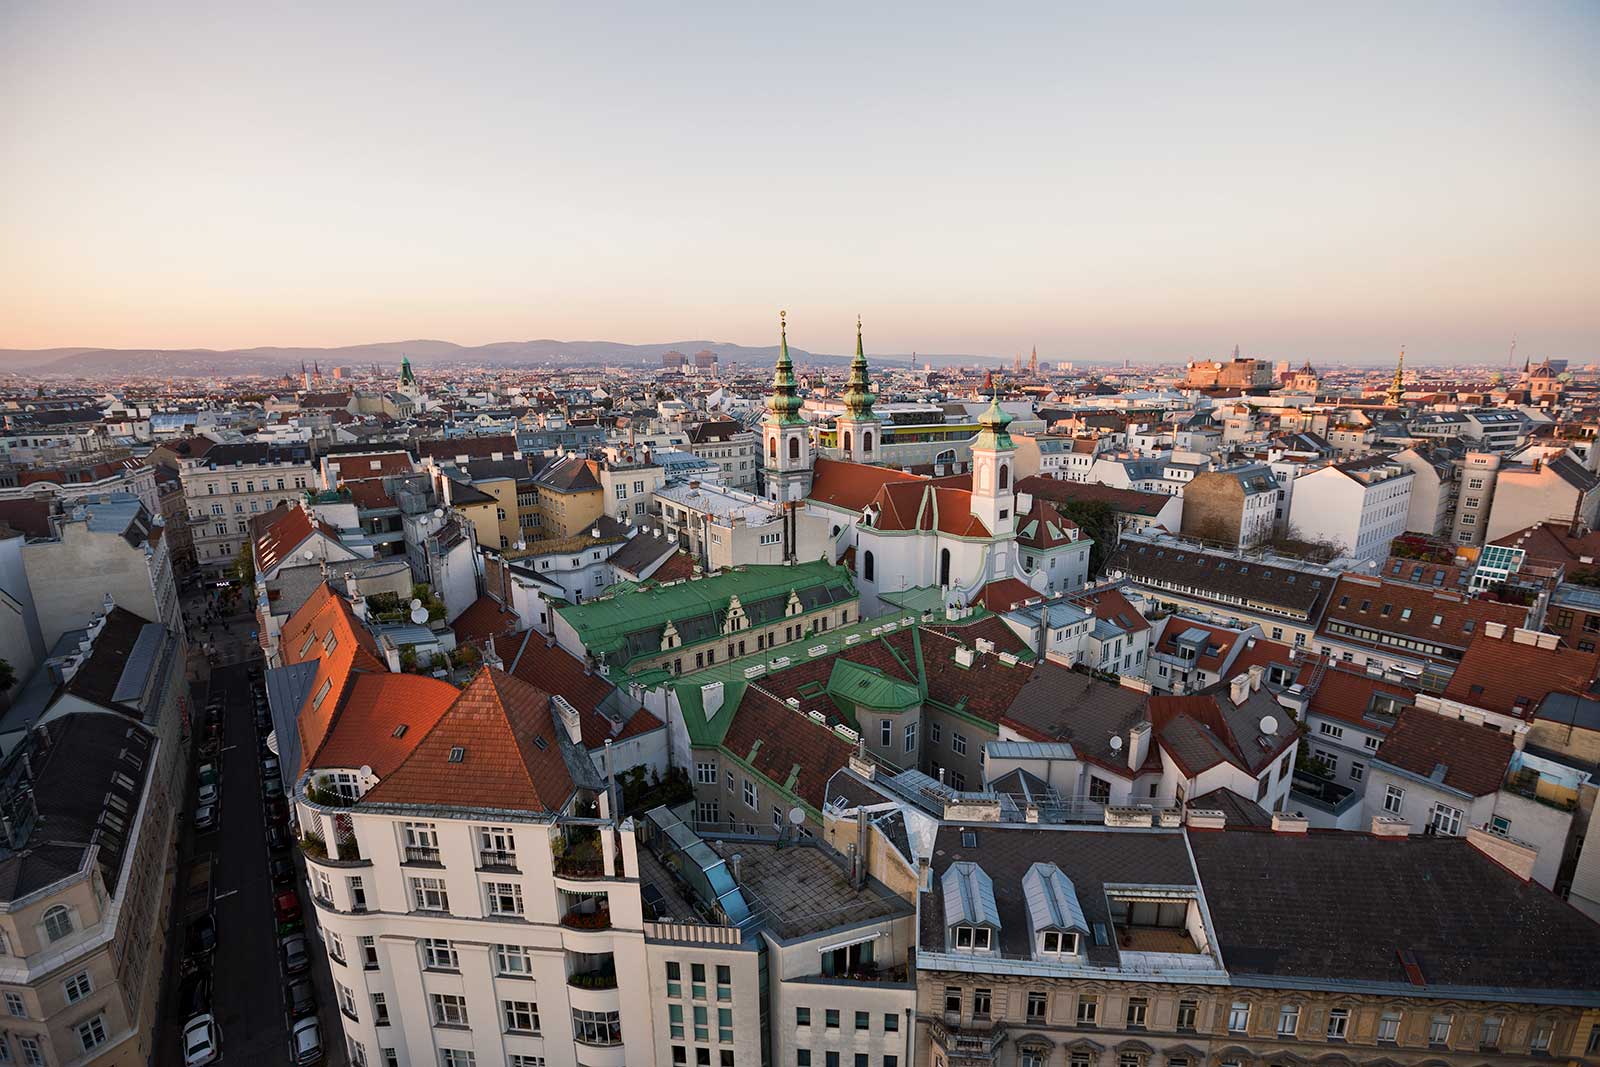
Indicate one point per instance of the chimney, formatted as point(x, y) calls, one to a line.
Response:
point(1390, 826)
point(858, 877)
point(1138, 745)
point(1239, 689)
point(1516, 856)
point(733, 866)
point(1283, 823)
point(1494, 629)
point(1255, 677)
point(569, 718)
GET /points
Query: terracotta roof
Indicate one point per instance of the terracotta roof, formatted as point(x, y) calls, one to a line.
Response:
point(282, 530)
point(851, 485)
point(1468, 758)
point(988, 687)
point(1346, 692)
point(1128, 501)
point(555, 670)
point(360, 466)
point(679, 565)
point(368, 494)
point(326, 630)
point(1003, 595)
point(27, 516)
point(375, 707)
point(786, 746)
point(494, 747)
point(1218, 645)
point(1503, 675)
point(450, 448)
point(484, 619)
point(1260, 652)
point(1044, 528)
point(1549, 542)
point(1409, 611)
point(1111, 606)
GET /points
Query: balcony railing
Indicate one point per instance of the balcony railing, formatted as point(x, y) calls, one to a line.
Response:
point(421, 854)
point(604, 978)
point(599, 919)
point(497, 858)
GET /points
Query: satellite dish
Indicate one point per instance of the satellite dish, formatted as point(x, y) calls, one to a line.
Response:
point(365, 771)
point(307, 554)
point(1116, 743)
point(796, 816)
point(438, 513)
point(415, 604)
point(419, 615)
point(1269, 725)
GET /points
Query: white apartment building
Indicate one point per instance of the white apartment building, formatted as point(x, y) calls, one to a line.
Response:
point(722, 527)
point(231, 483)
point(731, 447)
point(1360, 504)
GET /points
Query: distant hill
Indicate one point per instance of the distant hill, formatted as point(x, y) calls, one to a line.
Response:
point(197, 362)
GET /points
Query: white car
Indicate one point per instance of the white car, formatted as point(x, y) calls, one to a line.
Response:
point(207, 796)
point(202, 1041)
point(305, 1042)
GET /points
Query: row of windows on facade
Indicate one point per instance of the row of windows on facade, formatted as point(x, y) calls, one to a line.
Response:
point(794, 632)
point(803, 1058)
point(212, 488)
point(1337, 1028)
point(517, 1017)
point(239, 509)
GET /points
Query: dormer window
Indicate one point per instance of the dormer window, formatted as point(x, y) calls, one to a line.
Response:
point(1059, 943)
point(973, 938)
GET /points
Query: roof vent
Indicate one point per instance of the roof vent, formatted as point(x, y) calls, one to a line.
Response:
point(399, 731)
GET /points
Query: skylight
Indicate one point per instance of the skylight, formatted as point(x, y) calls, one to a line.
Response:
point(457, 754)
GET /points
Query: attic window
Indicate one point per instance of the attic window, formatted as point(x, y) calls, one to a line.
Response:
point(1344, 602)
point(973, 937)
point(540, 743)
point(399, 731)
point(1438, 579)
point(1101, 935)
point(1466, 627)
point(1386, 609)
point(457, 754)
point(1405, 614)
point(330, 642)
point(969, 839)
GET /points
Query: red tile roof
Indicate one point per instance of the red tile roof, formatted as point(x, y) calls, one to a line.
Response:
point(325, 629)
point(787, 746)
point(375, 706)
point(851, 485)
point(368, 494)
point(1128, 501)
point(1044, 528)
point(509, 758)
point(555, 670)
point(1507, 676)
point(1551, 542)
point(1473, 759)
point(1409, 611)
point(1003, 595)
point(1346, 693)
point(1111, 606)
point(484, 619)
point(1213, 656)
point(282, 530)
point(360, 466)
point(678, 565)
point(987, 688)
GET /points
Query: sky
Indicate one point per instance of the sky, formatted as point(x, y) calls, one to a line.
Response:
point(1324, 182)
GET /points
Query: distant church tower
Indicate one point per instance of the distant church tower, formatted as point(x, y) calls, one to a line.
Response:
point(1033, 362)
point(1396, 389)
point(407, 385)
point(860, 431)
point(994, 471)
point(785, 437)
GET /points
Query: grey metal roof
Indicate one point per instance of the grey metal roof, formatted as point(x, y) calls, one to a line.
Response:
point(141, 661)
point(969, 896)
point(1052, 900)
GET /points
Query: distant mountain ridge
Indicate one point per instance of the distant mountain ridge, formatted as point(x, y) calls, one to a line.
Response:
point(200, 362)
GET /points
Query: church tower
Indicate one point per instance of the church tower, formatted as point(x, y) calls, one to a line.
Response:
point(860, 431)
point(407, 383)
point(994, 471)
point(785, 437)
point(1396, 388)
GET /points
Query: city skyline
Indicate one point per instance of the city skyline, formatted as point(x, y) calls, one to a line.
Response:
point(1326, 188)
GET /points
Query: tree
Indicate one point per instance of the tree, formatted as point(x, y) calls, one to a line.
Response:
point(243, 568)
point(1098, 521)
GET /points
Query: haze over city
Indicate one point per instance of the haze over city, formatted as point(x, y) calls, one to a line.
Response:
point(1328, 186)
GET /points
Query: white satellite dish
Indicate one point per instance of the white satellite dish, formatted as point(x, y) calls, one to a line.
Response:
point(307, 554)
point(438, 513)
point(415, 604)
point(419, 615)
point(365, 770)
point(796, 816)
point(1269, 725)
point(1116, 743)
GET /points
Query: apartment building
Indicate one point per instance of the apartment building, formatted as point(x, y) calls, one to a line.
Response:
point(1236, 507)
point(1478, 473)
point(629, 480)
point(1108, 947)
point(569, 494)
point(722, 527)
point(229, 484)
point(731, 446)
point(1551, 488)
point(1360, 505)
point(1435, 489)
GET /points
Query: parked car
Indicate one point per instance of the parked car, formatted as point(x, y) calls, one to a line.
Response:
point(202, 1041)
point(286, 906)
point(295, 958)
point(194, 995)
point(300, 998)
point(277, 838)
point(207, 796)
point(202, 937)
point(269, 766)
point(282, 871)
point(205, 818)
point(305, 1042)
point(272, 788)
point(208, 774)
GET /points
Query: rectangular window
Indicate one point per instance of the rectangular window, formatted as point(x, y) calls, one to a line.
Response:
point(1394, 799)
point(521, 1016)
point(77, 987)
point(440, 955)
point(830, 1018)
point(92, 1034)
point(428, 894)
point(958, 743)
point(15, 1006)
point(911, 737)
point(981, 999)
point(750, 794)
point(1338, 1024)
point(935, 731)
point(505, 898)
point(513, 961)
point(1389, 1028)
point(1137, 1009)
point(380, 1010)
point(1238, 1017)
point(802, 1016)
point(1088, 1011)
point(1439, 1030)
point(1489, 1037)
point(1036, 1007)
point(1288, 1020)
point(705, 773)
point(863, 1020)
point(1542, 1031)
point(449, 1009)
point(347, 1000)
point(455, 1057)
point(1187, 1011)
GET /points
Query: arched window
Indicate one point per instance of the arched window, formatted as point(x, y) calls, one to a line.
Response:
point(944, 566)
point(772, 447)
point(1005, 476)
point(847, 442)
point(57, 922)
point(867, 569)
point(866, 441)
point(794, 448)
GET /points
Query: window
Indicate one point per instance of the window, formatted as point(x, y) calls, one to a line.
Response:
point(380, 1010)
point(1187, 1010)
point(15, 1005)
point(505, 898)
point(521, 1016)
point(750, 794)
point(347, 999)
point(449, 1009)
point(724, 982)
point(863, 1020)
point(886, 733)
point(77, 987)
point(1445, 820)
point(802, 1057)
point(1037, 1003)
point(455, 1057)
point(1358, 770)
point(439, 954)
point(802, 1016)
point(1489, 1036)
point(1238, 1017)
point(952, 1000)
point(958, 743)
point(891, 1022)
point(57, 923)
point(358, 893)
point(697, 978)
point(911, 737)
point(1338, 1024)
point(935, 732)
point(520, 1060)
point(725, 1026)
point(1330, 730)
point(1088, 1011)
point(358, 1052)
point(1099, 790)
point(1056, 942)
point(428, 894)
point(830, 1018)
point(980, 1003)
point(1389, 1027)
point(868, 570)
point(1542, 1030)
point(1138, 1007)
point(1393, 799)
point(1439, 1029)
point(705, 773)
point(32, 1055)
point(973, 938)
point(92, 1034)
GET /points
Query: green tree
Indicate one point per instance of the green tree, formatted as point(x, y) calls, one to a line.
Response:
point(1098, 521)
point(243, 568)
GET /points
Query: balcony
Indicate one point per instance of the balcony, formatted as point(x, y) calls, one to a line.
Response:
point(578, 853)
point(421, 856)
point(592, 970)
point(496, 860)
point(591, 912)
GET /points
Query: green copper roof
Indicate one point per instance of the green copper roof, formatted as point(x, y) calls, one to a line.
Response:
point(992, 425)
point(784, 404)
point(856, 683)
point(858, 394)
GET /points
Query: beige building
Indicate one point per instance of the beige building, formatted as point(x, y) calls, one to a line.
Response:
point(570, 495)
point(722, 528)
point(231, 483)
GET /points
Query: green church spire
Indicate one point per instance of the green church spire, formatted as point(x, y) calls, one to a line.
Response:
point(784, 404)
point(992, 424)
point(858, 394)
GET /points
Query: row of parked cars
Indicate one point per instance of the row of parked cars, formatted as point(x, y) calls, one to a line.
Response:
point(202, 1036)
point(300, 996)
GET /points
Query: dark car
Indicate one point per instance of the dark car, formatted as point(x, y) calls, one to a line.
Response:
point(272, 788)
point(202, 938)
point(286, 909)
point(281, 869)
point(296, 959)
point(194, 995)
point(269, 766)
point(277, 838)
point(300, 998)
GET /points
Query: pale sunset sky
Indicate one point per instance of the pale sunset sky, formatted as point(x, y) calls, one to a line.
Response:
point(1155, 181)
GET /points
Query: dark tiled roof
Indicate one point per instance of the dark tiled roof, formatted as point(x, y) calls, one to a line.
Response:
point(1127, 501)
point(98, 678)
point(1237, 810)
point(1218, 574)
point(1343, 906)
point(1465, 757)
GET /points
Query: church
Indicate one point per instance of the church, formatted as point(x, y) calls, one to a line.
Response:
point(899, 531)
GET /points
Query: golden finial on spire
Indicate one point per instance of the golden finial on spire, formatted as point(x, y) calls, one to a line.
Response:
point(782, 325)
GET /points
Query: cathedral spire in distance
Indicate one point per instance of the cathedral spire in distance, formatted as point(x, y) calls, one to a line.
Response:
point(1396, 389)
